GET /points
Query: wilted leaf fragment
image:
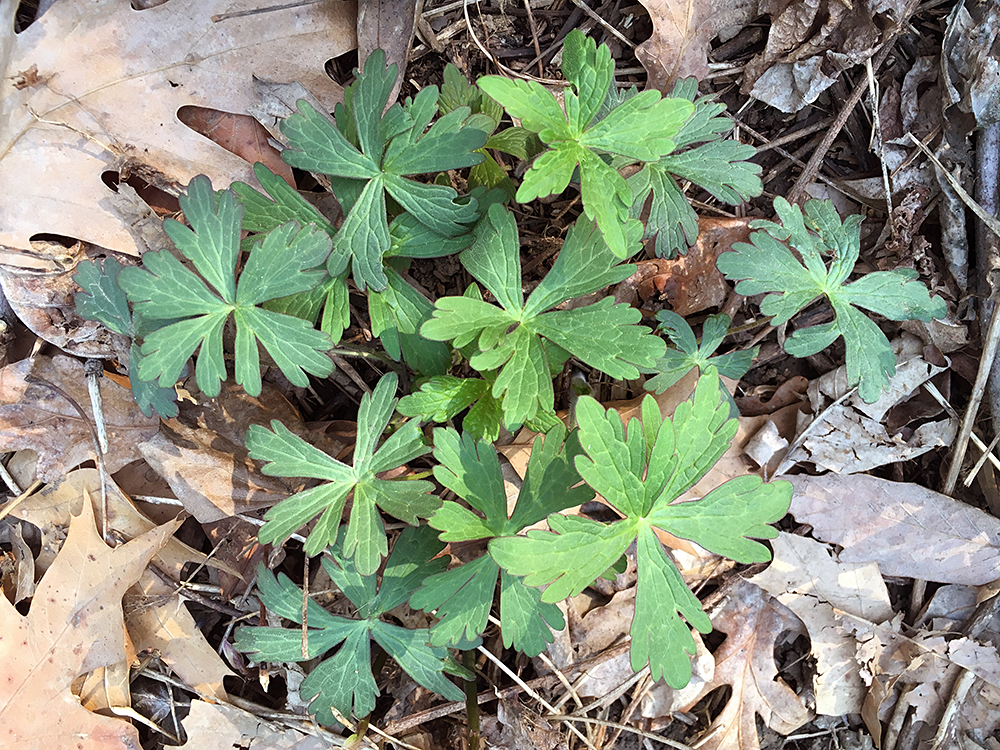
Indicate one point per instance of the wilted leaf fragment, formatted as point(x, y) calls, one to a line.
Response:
point(344, 681)
point(640, 472)
point(641, 129)
point(463, 596)
point(767, 265)
point(288, 455)
point(193, 312)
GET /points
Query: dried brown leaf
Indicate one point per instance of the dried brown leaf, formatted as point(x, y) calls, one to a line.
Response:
point(907, 529)
point(74, 626)
point(33, 416)
point(107, 85)
point(753, 621)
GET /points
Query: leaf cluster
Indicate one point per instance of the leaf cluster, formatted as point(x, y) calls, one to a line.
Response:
point(463, 596)
point(344, 681)
point(520, 338)
point(640, 470)
point(285, 454)
point(641, 128)
point(793, 282)
point(704, 158)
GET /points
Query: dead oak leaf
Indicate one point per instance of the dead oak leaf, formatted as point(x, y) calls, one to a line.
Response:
point(109, 84)
point(753, 622)
point(74, 625)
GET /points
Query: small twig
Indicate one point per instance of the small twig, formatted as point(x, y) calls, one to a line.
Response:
point(524, 686)
point(621, 728)
point(538, 50)
point(305, 606)
point(94, 370)
point(607, 26)
point(990, 347)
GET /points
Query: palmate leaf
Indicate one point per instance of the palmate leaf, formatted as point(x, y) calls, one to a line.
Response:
point(463, 596)
point(377, 151)
point(287, 455)
point(103, 300)
point(194, 312)
point(677, 363)
point(344, 681)
point(641, 128)
point(767, 265)
point(718, 166)
point(517, 338)
point(641, 470)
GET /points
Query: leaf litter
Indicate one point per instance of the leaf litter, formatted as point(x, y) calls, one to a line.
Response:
point(835, 598)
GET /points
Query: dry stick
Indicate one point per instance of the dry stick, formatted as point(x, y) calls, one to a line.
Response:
point(797, 192)
point(400, 726)
point(534, 35)
point(524, 686)
point(607, 26)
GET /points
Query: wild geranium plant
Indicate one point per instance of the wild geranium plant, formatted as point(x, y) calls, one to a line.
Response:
point(256, 271)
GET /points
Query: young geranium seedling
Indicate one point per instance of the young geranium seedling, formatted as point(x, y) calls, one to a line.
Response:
point(345, 681)
point(192, 311)
point(372, 154)
point(463, 596)
point(688, 355)
point(288, 455)
point(605, 335)
point(705, 158)
point(641, 128)
point(767, 265)
point(640, 471)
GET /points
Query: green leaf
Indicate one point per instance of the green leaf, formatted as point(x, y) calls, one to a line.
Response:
point(677, 363)
point(103, 300)
point(463, 596)
point(517, 340)
point(193, 315)
point(639, 128)
point(287, 455)
point(344, 680)
point(641, 469)
point(768, 266)
point(442, 397)
point(378, 151)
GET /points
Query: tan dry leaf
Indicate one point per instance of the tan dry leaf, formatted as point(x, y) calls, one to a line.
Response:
point(753, 621)
point(810, 581)
point(156, 617)
point(213, 726)
point(33, 416)
point(74, 626)
point(104, 92)
point(201, 454)
point(682, 30)
point(907, 529)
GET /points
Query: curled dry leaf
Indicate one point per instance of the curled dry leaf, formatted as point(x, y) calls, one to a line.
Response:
point(808, 579)
point(909, 530)
point(34, 417)
point(106, 87)
point(74, 626)
point(682, 30)
point(753, 622)
point(157, 618)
